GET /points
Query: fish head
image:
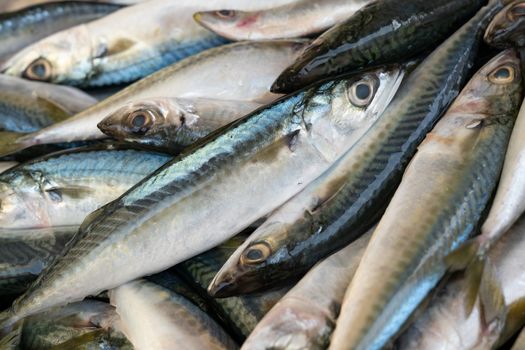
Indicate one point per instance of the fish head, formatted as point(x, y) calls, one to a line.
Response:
point(231, 24)
point(340, 107)
point(255, 264)
point(147, 122)
point(294, 323)
point(507, 29)
point(24, 200)
point(64, 57)
point(494, 91)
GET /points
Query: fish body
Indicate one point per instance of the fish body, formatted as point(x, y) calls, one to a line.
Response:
point(6, 165)
point(27, 106)
point(119, 48)
point(240, 314)
point(305, 317)
point(172, 123)
point(347, 200)
point(290, 142)
point(60, 189)
point(446, 324)
point(507, 28)
point(153, 317)
point(297, 19)
point(243, 72)
point(24, 27)
point(440, 200)
point(17, 5)
point(25, 253)
point(379, 33)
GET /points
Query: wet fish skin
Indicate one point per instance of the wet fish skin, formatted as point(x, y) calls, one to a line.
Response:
point(172, 123)
point(25, 253)
point(506, 29)
point(60, 189)
point(382, 32)
point(115, 50)
point(17, 5)
point(6, 165)
point(24, 27)
point(27, 106)
point(305, 317)
point(445, 322)
point(437, 206)
point(337, 208)
point(240, 315)
point(298, 19)
point(154, 317)
point(217, 73)
point(272, 143)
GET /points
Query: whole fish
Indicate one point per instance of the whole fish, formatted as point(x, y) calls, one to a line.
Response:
point(153, 317)
point(446, 325)
point(25, 253)
point(381, 32)
point(260, 160)
point(298, 19)
point(27, 106)
point(238, 314)
point(115, 50)
point(347, 200)
point(507, 29)
point(60, 189)
point(24, 27)
point(305, 317)
point(243, 71)
point(172, 123)
point(437, 206)
point(78, 323)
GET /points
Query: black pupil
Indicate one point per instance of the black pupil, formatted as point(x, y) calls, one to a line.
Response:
point(226, 13)
point(39, 70)
point(518, 10)
point(502, 73)
point(254, 254)
point(362, 91)
point(139, 120)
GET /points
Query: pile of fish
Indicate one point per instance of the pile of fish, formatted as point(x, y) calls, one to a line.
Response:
point(264, 174)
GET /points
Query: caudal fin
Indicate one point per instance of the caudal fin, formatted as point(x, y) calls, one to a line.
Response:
point(12, 142)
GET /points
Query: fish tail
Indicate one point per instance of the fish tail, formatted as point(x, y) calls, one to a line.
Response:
point(12, 142)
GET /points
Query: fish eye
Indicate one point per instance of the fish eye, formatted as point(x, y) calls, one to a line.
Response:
point(141, 121)
point(516, 11)
point(503, 75)
point(362, 92)
point(225, 13)
point(39, 69)
point(256, 253)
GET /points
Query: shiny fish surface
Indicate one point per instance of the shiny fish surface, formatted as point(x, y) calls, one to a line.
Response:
point(305, 317)
point(153, 317)
point(382, 32)
point(298, 19)
point(507, 29)
point(172, 123)
point(446, 325)
point(440, 200)
point(62, 188)
point(342, 204)
point(243, 71)
point(27, 106)
point(290, 142)
point(24, 27)
point(16, 5)
point(119, 48)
